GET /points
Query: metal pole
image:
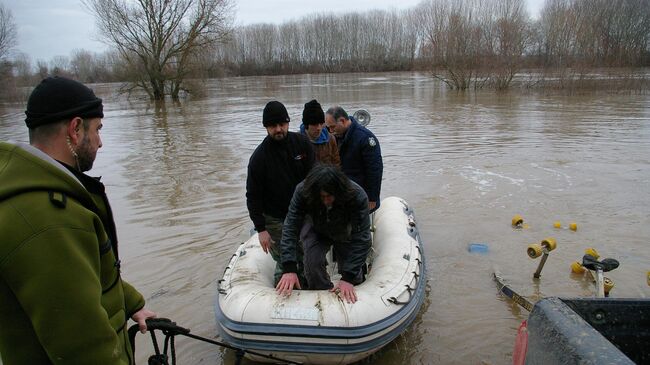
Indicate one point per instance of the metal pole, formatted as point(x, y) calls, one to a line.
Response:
point(537, 273)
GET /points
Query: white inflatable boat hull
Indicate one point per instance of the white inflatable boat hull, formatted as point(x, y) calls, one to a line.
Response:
point(315, 326)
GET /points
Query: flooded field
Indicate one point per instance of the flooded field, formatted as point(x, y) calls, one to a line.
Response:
point(466, 162)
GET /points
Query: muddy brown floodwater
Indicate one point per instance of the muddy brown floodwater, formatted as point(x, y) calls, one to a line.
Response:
point(466, 163)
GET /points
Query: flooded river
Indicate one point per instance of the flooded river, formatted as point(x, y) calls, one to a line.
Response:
point(466, 162)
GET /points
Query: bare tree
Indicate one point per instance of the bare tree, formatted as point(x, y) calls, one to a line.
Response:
point(507, 36)
point(612, 32)
point(158, 38)
point(60, 66)
point(8, 35)
point(455, 39)
point(23, 69)
point(82, 65)
point(42, 70)
point(559, 28)
point(11, 73)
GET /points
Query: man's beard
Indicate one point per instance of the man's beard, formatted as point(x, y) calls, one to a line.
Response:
point(85, 156)
point(279, 135)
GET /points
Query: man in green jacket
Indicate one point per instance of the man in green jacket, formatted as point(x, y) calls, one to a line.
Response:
point(62, 299)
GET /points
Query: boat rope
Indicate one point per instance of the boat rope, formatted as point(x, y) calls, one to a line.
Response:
point(171, 329)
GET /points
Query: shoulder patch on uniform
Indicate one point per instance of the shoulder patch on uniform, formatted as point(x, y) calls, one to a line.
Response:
point(57, 198)
point(372, 142)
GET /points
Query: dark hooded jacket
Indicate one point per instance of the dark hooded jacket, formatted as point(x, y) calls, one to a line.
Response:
point(344, 224)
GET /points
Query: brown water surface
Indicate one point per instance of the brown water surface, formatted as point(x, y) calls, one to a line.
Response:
point(466, 162)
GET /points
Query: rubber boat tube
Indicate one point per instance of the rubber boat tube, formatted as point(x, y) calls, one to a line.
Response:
point(315, 326)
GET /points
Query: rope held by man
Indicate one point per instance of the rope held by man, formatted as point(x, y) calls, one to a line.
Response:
point(170, 330)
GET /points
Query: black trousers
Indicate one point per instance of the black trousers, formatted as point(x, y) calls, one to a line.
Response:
point(315, 249)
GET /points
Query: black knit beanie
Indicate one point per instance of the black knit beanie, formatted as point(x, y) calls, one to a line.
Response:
point(58, 98)
point(274, 113)
point(313, 113)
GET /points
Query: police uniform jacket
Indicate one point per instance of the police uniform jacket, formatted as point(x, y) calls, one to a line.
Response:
point(361, 159)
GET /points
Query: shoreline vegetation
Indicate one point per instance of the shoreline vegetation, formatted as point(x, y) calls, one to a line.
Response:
point(565, 81)
point(574, 45)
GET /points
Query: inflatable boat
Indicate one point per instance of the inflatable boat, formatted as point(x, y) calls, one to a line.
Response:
point(316, 326)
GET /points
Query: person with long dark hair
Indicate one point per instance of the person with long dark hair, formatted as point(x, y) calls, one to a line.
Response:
point(327, 210)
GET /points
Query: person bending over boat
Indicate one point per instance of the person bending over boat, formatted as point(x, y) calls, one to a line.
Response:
point(334, 210)
point(312, 127)
point(62, 297)
point(277, 165)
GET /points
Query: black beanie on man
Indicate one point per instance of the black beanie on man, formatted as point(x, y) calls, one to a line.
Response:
point(313, 113)
point(58, 98)
point(274, 113)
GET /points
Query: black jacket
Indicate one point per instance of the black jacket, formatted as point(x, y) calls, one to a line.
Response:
point(361, 159)
point(274, 170)
point(347, 224)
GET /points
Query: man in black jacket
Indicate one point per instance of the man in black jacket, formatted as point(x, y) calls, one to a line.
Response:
point(278, 164)
point(334, 210)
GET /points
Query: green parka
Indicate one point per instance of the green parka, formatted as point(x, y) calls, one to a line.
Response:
point(61, 296)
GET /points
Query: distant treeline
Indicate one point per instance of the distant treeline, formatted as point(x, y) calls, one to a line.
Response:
point(464, 43)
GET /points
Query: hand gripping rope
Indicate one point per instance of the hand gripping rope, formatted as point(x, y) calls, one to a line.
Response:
point(170, 330)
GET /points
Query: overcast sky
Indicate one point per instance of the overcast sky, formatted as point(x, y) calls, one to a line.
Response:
point(48, 28)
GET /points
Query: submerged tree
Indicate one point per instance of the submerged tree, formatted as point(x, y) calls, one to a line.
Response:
point(507, 36)
point(159, 39)
point(455, 40)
